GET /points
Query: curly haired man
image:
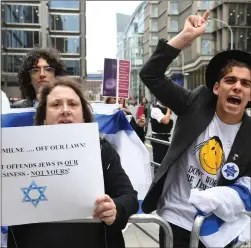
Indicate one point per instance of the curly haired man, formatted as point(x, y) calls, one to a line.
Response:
point(40, 66)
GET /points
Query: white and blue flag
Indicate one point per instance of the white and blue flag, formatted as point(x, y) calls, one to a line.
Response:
point(229, 207)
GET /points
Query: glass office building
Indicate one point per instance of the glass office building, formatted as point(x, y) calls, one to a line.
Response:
point(133, 50)
point(25, 24)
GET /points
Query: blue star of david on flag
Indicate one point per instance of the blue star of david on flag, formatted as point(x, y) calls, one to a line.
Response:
point(230, 171)
point(35, 200)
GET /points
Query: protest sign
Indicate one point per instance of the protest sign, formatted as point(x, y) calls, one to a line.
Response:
point(116, 78)
point(50, 173)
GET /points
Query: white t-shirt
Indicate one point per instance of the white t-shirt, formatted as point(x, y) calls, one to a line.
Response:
point(199, 167)
point(157, 114)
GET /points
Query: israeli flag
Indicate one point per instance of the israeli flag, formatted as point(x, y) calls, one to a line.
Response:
point(229, 207)
point(114, 127)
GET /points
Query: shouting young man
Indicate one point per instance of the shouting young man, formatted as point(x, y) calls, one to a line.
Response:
point(208, 164)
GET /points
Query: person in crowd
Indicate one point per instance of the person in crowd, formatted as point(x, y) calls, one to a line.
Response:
point(40, 66)
point(210, 150)
point(162, 125)
point(62, 102)
point(143, 110)
point(110, 100)
point(137, 125)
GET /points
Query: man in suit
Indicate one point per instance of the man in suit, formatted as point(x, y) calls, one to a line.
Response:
point(211, 140)
point(40, 66)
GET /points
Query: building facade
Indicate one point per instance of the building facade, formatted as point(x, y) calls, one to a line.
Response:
point(226, 18)
point(122, 21)
point(26, 24)
point(92, 86)
point(133, 50)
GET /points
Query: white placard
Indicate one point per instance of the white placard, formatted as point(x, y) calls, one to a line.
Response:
point(50, 173)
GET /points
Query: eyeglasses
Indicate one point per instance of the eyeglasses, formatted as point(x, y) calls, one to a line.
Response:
point(36, 71)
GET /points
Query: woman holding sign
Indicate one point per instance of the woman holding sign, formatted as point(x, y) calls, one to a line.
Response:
point(62, 102)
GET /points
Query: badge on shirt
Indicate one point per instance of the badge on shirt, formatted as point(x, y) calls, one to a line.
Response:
point(230, 171)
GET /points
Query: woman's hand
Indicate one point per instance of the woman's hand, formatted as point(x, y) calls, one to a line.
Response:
point(105, 209)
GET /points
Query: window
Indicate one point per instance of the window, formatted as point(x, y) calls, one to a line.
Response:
point(206, 4)
point(141, 28)
point(64, 4)
point(241, 39)
point(141, 19)
point(64, 22)
point(249, 40)
point(135, 27)
point(72, 67)
point(249, 14)
point(154, 27)
point(20, 38)
point(174, 25)
point(12, 63)
point(241, 14)
point(232, 14)
point(154, 40)
point(209, 26)
point(206, 47)
point(137, 62)
point(20, 13)
point(174, 8)
point(66, 44)
point(140, 41)
point(154, 12)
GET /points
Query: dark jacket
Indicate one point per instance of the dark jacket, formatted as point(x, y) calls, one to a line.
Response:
point(195, 110)
point(79, 235)
point(138, 130)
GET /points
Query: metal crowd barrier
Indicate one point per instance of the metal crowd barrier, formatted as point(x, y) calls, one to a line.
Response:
point(142, 218)
point(158, 140)
point(150, 218)
point(195, 233)
point(163, 142)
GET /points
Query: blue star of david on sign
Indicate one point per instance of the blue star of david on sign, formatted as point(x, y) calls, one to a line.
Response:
point(230, 171)
point(40, 190)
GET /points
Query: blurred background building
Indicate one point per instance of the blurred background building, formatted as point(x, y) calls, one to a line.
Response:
point(227, 18)
point(132, 49)
point(229, 26)
point(122, 22)
point(93, 85)
point(25, 24)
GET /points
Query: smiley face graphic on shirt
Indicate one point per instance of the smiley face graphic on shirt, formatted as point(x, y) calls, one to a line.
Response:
point(211, 155)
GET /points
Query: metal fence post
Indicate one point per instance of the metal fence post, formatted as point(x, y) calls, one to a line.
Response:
point(150, 218)
point(195, 233)
point(141, 218)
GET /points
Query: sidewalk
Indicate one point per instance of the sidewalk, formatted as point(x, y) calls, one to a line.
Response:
point(135, 238)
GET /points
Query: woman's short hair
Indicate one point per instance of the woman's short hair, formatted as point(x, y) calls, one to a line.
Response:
point(66, 82)
point(108, 99)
